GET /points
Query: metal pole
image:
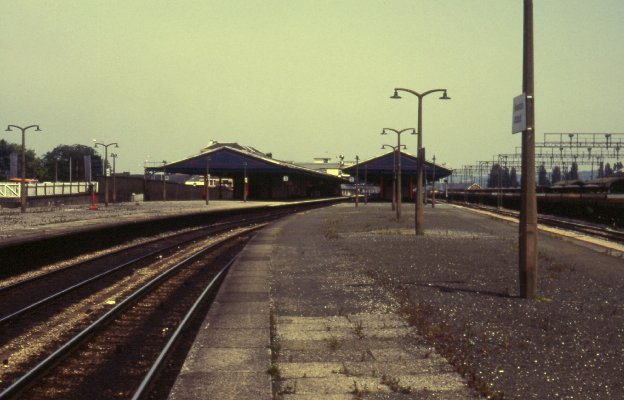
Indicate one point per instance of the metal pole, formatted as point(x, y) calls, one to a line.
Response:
point(23, 189)
point(394, 178)
point(357, 178)
point(433, 185)
point(114, 182)
point(419, 212)
point(105, 176)
point(23, 183)
point(366, 184)
point(245, 182)
point(105, 167)
point(528, 209)
point(208, 181)
point(419, 209)
point(164, 180)
point(399, 190)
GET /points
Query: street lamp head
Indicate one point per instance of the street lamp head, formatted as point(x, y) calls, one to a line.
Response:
point(444, 96)
point(8, 129)
point(37, 128)
point(395, 95)
point(383, 132)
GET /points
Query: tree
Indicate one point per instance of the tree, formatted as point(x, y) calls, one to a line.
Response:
point(513, 178)
point(506, 177)
point(556, 174)
point(542, 179)
point(34, 168)
point(57, 162)
point(493, 180)
point(608, 171)
point(573, 171)
point(601, 170)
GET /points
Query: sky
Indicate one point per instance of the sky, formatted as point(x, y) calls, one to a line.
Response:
point(303, 78)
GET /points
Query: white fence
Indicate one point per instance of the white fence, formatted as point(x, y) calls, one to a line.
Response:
point(13, 189)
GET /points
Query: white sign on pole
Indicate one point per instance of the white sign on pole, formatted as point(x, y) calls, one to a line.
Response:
point(519, 114)
point(285, 178)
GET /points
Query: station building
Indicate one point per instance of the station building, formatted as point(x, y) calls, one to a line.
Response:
point(255, 175)
point(380, 170)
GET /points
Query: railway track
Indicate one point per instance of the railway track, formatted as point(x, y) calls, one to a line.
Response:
point(91, 326)
point(601, 231)
point(108, 358)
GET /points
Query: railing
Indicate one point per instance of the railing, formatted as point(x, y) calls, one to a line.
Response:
point(13, 190)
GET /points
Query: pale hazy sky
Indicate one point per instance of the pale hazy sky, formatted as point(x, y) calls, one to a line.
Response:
point(303, 78)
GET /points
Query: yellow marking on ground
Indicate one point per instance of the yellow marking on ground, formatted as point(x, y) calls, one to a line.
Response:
point(556, 231)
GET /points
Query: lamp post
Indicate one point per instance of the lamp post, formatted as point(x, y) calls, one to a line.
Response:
point(357, 178)
point(207, 180)
point(481, 163)
point(500, 177)
point(397, 151)
point(419, 217)
point(245, 182)
point(23, 182)
point(396, 184)
point(433, 184)
point(164, 180)
point(105, 166)
point(114, 183)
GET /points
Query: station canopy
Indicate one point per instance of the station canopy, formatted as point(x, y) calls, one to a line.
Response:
point(384, 165)
point(232, 158)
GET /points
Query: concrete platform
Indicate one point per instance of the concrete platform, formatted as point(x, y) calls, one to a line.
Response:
point(344, 303)
point(333, 335)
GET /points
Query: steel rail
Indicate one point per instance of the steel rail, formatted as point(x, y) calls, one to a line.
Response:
point(148, 242)
point(31, 376)
point(221, 228)
point(145, 386)
point(575, 226)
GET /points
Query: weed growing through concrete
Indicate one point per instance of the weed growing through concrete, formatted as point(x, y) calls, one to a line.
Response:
point(394, 385)
point(332, 342)
point(289, 388)
point(330, 230)
point(358, 330)
point(274, 371)
point(358, 393)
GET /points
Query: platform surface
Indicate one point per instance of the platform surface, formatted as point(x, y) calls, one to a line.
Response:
point(344, 302)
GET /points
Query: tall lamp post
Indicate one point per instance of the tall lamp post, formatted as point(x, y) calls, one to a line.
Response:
point(357, 178)
point(114, 183)
point(245, 181)
point(433, 184)
point(207, 185)
point(399, 191)
point(105, 166)
point(164, 180)
point(23, 182)
point(396, 187)
point(419, 217)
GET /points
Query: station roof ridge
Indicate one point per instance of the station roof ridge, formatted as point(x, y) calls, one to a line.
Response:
point(244, 151)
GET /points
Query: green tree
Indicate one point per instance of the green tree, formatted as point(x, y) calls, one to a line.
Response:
point(601, 170)
point(542, 179)
point(573, 171)
point(34, 167)
point(608, 171)
point(556, 174)
point(513, 178)
point(495, 172)
point(57, 161)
